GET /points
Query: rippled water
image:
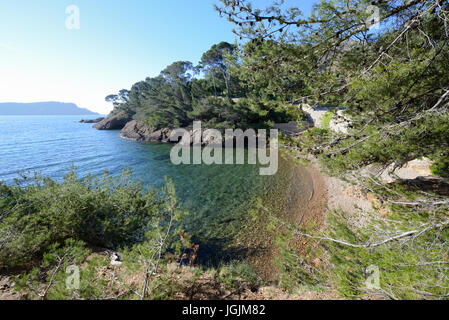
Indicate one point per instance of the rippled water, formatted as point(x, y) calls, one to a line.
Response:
point(217, 197)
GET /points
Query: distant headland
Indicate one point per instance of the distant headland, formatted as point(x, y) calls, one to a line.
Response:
point(42, 108)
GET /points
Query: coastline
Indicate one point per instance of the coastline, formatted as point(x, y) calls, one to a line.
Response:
point(334, 193)
point(309, 209)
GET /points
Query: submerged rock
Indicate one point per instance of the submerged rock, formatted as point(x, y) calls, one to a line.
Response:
point(113, 122)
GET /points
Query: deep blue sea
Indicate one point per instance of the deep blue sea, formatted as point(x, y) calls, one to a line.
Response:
point(217, 197)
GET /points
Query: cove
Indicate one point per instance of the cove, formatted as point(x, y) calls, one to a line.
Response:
point(217, 197)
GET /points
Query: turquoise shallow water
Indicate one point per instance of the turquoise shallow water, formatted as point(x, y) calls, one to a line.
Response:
point(217, 196)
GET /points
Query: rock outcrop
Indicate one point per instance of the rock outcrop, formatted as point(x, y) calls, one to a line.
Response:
point(411, 170)
point(92, 120)
point(315, 115)
point(113, 122)
point(340, 122)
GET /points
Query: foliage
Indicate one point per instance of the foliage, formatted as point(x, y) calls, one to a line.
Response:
point(216, 91)
point(233, 273)
point(411, 268)
point(391, 83)
point(160, 239)
point(441, 166)
point(48, 281)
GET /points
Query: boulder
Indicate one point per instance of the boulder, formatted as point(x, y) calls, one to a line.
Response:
point(113, 122)
point(411, 170)
point(340, 123)
point(136, 130)
point(315, 115)
point(139, 131)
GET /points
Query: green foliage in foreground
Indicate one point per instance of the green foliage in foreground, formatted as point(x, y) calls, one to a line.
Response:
point(326, 120)
point(414, 267)
point(106, 212)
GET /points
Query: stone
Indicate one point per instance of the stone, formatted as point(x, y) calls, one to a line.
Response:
point(113, 122)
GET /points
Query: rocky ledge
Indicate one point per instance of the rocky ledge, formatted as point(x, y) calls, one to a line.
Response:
point(92, 120)
point(113, 122)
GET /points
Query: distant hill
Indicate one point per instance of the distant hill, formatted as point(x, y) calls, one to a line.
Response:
point(42, 108)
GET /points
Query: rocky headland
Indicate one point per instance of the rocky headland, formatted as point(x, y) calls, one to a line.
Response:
point(92, 120)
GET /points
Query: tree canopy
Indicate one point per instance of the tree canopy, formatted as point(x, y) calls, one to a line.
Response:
point(390, 77)
point(214, 92)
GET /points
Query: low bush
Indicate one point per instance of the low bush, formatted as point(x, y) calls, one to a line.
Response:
point(108, 212)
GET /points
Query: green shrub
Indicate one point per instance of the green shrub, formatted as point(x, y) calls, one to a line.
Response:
point(49, 279)
point(107, 212)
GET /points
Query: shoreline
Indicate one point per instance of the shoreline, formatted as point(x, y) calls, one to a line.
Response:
point(314, 211)
point(310, 209)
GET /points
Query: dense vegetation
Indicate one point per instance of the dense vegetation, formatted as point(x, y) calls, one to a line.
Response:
point(106, 212)
point(392, 83)
point(214, 92)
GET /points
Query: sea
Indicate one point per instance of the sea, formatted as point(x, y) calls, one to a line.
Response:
point(218, 198)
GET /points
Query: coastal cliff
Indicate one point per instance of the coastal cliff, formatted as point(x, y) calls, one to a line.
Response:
point(113, 122)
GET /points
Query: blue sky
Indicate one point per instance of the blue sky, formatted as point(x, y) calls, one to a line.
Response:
point(119, 43)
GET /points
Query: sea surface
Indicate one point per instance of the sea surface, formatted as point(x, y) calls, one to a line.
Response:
point(217, 197)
